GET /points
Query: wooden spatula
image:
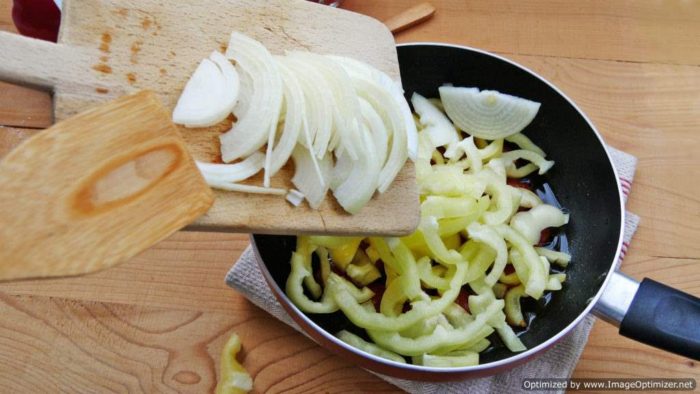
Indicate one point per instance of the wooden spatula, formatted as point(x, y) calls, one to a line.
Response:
point(108, 48)
point(96, 189)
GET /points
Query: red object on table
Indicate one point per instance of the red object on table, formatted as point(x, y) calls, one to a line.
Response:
point(37, 18)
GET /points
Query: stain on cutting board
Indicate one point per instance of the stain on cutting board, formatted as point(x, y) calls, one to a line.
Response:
point(146, 23)
point(135, 49)
point(105, 44)
point(103, 68)
point(106, 41)
point(123, 12)
point(150, 21)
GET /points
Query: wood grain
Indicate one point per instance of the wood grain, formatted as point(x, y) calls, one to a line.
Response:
point(10, 137)
point(650, 110)
point(628, 30)
point(184, 271)
point(24, 107)
point(107, 49)
point(67, 346)
point(6, 23)
point(96, 189)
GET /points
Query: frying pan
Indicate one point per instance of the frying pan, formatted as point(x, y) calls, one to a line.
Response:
point(584, 181)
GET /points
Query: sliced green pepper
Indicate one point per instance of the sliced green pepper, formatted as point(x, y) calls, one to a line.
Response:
point(440, 338)
point(233, 378)
point(377, 321)
point(466, 359)
point(355, 341)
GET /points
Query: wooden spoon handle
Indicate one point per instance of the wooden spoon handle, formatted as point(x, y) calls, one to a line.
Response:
point(410, 17)
point(46, 65)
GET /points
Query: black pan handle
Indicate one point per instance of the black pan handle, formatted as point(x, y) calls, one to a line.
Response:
point(653, 313)
point(664, 317)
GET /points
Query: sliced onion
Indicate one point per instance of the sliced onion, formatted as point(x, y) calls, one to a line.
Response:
point(346, 108)
point(258, 124)
point(390, 112)
point(437, 103)
point(295, 197)
point(435, 124)
point(358, 69)
point(237, 187)
point(233, 172)
point(343, 167)
point(320, 102)
point(377, 129)
point(305, 178)
point(209, 95)
point(246, 93)
point(359, 186)
point(294, 114)
point(317, 96)
point(333, 108)
point(487, 114)
point(317, 119)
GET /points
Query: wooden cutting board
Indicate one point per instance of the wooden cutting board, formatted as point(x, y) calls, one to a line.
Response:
point(109, 48)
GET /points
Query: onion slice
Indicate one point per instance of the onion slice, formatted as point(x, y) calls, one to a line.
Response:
point(295, 197)
point(305, 178)
point(237, 187)
point(209, 95)
point(487, 114)
point(233, 172)
point(294, 114)
point(359, 185)
point(358, 69)
point(390, 112)
point(258, 123)
point(435, 124)
point(317, 97)
point(345, 105)
point(377, 129)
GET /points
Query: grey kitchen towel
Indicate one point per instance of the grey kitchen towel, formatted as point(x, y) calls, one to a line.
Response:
point(557, 362)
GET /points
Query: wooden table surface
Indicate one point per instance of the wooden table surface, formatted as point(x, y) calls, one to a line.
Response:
point(157, 323)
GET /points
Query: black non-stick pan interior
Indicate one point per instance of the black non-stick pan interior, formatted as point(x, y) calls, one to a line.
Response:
point(582, 179)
